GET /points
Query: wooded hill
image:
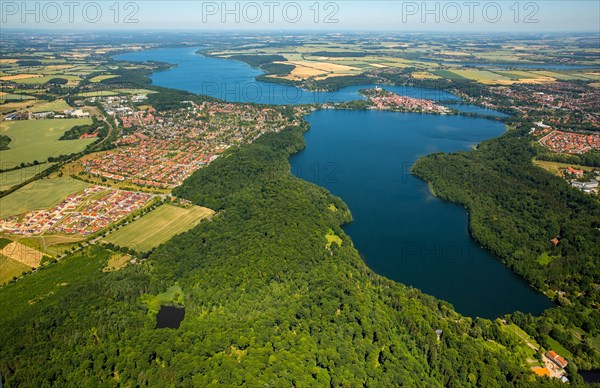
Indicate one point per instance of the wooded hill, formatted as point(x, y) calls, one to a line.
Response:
point(268, 302)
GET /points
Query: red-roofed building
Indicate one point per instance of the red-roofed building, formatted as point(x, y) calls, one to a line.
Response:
point(577, 173)
point(558, 360)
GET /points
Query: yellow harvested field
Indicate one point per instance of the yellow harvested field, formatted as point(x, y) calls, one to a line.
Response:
point(8, 60)
point(306, 69)
point(100, 78)
point(301, 72)
point(378, 65)
point(595, 84)
point(539, 80)
point(491, 78)
point(424, 75)
point(558, 168)
point(22, 254)
point(19, 76)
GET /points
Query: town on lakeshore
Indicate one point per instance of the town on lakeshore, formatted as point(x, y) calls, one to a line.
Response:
point(154, 235)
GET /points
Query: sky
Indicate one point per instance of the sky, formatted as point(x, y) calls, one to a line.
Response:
point(397, 16)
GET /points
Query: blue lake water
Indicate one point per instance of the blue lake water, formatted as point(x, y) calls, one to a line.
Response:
point(400, 229)
point(466, 108)
point(235, 81)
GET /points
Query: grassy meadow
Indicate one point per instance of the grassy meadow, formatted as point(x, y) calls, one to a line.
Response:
point(158, 226)
point(12, 178)
point(38, 140)
point(41, 194)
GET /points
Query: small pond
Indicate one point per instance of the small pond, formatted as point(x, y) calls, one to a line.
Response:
point(590, 376)
point(169, 317)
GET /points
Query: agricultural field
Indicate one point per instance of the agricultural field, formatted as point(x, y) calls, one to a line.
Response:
point(134, 91)
point(499, 77)
point(424, 75)
point(448, 75)
point(13, 106)
point(41, 194)
point(10, 268)
point(505, 56)
point(483, 76)
point(100, 78)
point(97, 93)
point(52, 245)
point(11, 96)
point(558, 348)
point(19, 77)
point(12, 178)
point(22, 253)
point(56, 105)
point(38, 139)
point(158, 226)
point(563, 76)
point(114, 92)
point(73, 80)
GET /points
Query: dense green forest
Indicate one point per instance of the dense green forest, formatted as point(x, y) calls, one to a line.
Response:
point(515, 210)
point(268, 302)
point(258, 60)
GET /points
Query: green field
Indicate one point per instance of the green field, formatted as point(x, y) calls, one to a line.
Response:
point(448, 75)
point(10, 96)
point(11, 178)
point(100, 78)
point(38, 140)
point(479, 75)
point(103, 93)
point(98, 93)
point(73, 79)
point(558, 348)
point(56, 105)
point(516, 75)
point(14, 106)
point(10, 268)
point(158, 226)
point(40, 194)
point(134, 91)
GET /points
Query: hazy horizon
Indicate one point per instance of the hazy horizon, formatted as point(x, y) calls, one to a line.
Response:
point(376, 16)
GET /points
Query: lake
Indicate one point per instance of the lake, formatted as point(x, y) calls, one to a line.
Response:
point(235, 81)
point(590, 376)
point(399, 228)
